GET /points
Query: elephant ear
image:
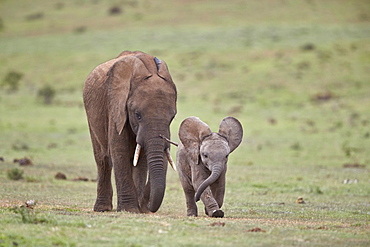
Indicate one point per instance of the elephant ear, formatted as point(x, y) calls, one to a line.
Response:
point(121, 74)
point(232, 129)
point(162, 70)
point(191, 133)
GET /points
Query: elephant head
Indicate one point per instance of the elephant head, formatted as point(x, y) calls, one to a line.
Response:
point(136, 95)
point(210, 149)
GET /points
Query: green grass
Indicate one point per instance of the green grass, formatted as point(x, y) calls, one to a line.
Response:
point(264, 62)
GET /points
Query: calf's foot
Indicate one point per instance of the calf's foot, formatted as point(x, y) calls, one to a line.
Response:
point(217, 213)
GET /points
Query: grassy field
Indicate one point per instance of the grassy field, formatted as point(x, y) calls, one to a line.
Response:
point(294, 72)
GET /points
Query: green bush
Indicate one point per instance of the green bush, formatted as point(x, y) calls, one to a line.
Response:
point(47, 93)
point(11, 80)
point(15, 174)
point(29, 216)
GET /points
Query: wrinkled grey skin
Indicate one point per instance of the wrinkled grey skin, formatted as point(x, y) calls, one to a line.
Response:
point(130, 100)
point(202, 158)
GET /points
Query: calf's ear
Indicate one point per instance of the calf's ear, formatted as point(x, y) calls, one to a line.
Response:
point(191, 133)
point(232, 129)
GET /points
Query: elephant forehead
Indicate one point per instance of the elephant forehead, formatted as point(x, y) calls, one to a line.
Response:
point(155, 90)
point(157, 100)
point(215, 143)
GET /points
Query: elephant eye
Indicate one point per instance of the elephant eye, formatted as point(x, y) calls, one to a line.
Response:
point(205, 155)
point(138, 116)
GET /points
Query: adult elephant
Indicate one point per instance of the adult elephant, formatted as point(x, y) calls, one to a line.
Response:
point(130, 102)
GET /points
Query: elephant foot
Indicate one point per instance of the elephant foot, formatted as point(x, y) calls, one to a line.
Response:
point(102, 207)
point(192, 212)
point(145, 210)
point(217, 213)
point(143, 207)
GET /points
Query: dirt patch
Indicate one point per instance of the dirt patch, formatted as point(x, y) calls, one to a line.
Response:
point(322, 96)
point(219, 223)
point(256, 229)
point(353, 165)
point(84, 179)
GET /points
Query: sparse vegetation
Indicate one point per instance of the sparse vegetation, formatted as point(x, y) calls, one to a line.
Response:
point(15, 174)
point(47, 94)
point(294, 72)
point(11, 80)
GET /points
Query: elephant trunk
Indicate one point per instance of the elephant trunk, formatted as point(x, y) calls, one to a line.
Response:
point(157, 173)
point(215, 174)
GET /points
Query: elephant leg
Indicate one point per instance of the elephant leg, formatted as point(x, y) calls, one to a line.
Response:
point(104, 184)
point(126, 196)
point(191, 206)
point(126, 191)
point(121, 154)
point(211, 207)
point(104, 188)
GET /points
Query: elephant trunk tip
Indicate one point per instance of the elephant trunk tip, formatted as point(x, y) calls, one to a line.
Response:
point(155, 202)
point(197, 196)
point(200, 191)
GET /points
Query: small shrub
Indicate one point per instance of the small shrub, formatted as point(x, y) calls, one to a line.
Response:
point(15, 174)
point(308, 47)
point(296, 146)
point(25, 213)
point(20, 146)
point(11, 80)
point(80, 29)
point(47, 93)
point(29, 216)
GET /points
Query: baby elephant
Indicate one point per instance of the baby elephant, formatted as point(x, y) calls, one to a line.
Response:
point(202, 162)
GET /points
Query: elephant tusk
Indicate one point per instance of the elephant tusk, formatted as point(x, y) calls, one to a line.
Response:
point(169, 158)
point(136, 155)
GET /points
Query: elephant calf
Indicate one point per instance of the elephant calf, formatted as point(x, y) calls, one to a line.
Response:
point(202, 162)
